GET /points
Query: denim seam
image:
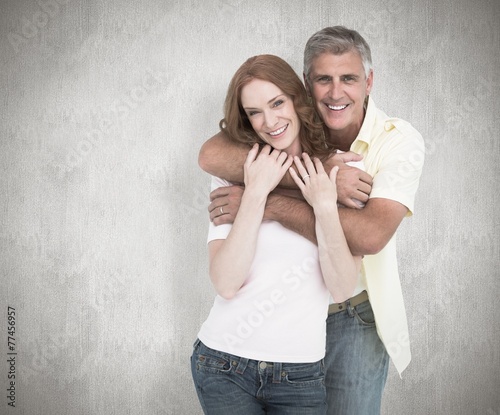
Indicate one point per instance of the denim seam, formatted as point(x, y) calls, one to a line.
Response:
point(363, 322)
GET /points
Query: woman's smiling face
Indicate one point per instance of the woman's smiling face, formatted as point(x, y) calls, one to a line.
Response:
point(272, 115)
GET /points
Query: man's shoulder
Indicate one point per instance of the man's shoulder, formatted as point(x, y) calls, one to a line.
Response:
point(380, 125)
point(390, 129)
point(403, 126)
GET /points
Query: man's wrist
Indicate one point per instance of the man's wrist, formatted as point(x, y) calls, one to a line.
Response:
point(269, 212)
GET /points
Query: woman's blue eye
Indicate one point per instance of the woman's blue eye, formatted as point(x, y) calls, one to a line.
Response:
point(278, 102)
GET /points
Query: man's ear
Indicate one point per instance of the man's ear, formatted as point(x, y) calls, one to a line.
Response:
point(306, 84)
point(369, 82)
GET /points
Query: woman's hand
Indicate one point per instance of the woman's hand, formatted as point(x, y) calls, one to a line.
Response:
point(318, 188)
point(264, 170)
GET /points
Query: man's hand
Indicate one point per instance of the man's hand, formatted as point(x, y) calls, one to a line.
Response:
point(229, 198)
point(352, 183)
point(225, 203)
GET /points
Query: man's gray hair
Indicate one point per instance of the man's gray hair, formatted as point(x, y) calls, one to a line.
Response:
point(336, 40)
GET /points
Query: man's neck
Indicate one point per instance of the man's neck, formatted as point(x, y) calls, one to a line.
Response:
point(342, 140)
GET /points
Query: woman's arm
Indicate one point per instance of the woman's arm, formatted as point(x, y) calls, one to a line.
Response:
point(230, 259)
point(339, 267)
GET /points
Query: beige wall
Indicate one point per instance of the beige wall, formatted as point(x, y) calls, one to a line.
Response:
point(103, 107)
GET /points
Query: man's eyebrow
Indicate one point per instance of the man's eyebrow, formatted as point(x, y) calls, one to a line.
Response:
point(317, 76)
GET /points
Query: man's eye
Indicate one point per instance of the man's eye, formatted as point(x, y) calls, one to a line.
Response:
point(348, 78)
point(323, 80)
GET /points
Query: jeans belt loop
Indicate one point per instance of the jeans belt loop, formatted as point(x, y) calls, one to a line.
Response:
point(277, 372)
point(349, 308)
point(242, 365)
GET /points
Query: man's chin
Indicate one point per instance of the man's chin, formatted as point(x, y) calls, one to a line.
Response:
point(331, 118)
point(334, 125)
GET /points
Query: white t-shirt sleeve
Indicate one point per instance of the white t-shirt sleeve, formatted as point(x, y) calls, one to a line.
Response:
point(220, 231)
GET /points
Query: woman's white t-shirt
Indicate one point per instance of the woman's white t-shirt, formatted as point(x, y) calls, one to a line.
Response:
point(279, 314)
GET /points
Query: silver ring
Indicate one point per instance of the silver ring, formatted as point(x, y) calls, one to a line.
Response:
point(221, 211)
point(304, 177)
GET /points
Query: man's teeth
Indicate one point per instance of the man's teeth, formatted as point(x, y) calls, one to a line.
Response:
point(278, 132)
point(337, 107)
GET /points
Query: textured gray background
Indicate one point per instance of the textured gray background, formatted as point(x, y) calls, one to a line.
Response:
point(104, 105)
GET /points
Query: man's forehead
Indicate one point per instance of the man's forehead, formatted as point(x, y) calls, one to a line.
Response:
point(345, 63)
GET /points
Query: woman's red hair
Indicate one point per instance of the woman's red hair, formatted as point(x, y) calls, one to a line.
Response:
point(275, 70)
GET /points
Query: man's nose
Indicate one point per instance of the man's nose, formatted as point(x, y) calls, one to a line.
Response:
point(335, 91)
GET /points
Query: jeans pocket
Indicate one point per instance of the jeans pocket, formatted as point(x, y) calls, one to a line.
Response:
point(306, 374)
point(364, 314)
point(212, 361)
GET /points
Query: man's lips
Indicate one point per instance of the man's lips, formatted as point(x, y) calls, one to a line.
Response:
point(337, 107)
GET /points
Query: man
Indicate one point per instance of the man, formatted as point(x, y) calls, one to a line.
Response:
point(370, 327)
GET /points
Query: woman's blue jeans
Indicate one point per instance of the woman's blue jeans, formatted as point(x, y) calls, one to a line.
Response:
point(228, 384)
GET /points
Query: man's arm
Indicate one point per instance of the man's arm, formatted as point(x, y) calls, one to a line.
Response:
point(221, 157)
point(293, 213)
point(367, 230)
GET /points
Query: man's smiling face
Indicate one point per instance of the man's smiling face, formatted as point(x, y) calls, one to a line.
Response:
point(339, 87)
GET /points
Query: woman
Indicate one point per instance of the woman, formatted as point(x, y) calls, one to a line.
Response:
point(262, 346)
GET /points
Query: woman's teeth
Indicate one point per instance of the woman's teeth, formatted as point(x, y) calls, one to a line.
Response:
point(278, 132)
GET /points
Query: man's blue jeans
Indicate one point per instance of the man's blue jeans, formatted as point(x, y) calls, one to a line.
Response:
point(356, 362)
point(228, 384)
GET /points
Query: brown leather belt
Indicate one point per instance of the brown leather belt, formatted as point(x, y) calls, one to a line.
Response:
point(354, 301)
